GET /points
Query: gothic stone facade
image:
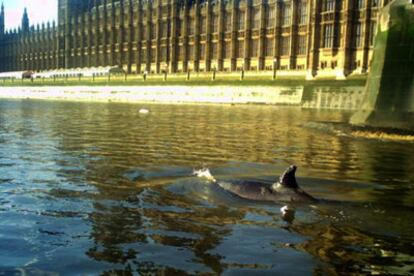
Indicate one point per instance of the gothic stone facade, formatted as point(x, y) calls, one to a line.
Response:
point(310, 37)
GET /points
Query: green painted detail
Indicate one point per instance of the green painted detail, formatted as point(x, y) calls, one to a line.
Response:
point(389, 91)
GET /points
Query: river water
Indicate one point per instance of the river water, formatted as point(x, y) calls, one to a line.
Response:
point(95, 188)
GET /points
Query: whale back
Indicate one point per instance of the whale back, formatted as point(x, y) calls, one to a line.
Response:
point(288, 178)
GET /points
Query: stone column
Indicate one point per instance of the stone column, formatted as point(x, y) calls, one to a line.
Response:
point(150, 29)
point(105, 33)
point(98, 33)
point(262, 35)
point(174, 37)
point(36, 46)
point(277, 30)
point(345, 52)
point(48, 48)
point(138, 36)
point(24, 52)
point(112, 58)
point(39, 48)
point(158, 37)
point(130, 32)
point(234, 35)
point(55, 45)
point(67, 41)
point(29, 49)
point(185, 36)
point(121, 33)
point(207, 56)
point(82, 41)
point(18, 50)
point(247, 35)
point(293, 34)
point(89, 37)
point(74, 49)
point(44, 47)
point(314, 26)
point(367, 34)
point(221, 34)
point(197, 37)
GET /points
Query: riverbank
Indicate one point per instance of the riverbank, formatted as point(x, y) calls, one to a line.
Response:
point(199, 79)
point(321, 95)
point(287, 95)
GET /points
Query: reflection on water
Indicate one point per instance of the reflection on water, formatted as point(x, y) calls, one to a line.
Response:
point(94, 188)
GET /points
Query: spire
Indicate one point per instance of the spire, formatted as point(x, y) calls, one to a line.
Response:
point(2, 19)
point(25, 21)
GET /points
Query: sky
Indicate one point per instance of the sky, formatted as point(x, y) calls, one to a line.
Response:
point(39, 11)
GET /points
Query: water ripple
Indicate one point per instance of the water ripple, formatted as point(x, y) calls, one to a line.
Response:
point(97, 188)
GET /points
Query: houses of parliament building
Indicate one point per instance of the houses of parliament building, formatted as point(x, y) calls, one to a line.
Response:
point(299, 37)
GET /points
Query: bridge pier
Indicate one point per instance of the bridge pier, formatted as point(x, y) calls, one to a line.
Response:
point(389, 91)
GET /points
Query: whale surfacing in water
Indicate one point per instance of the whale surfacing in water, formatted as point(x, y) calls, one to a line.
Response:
point(285, 190)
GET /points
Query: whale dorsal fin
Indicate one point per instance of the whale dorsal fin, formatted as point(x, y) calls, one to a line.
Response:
point(288, 178)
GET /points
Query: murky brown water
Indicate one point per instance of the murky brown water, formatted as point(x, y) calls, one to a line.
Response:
point(94, 188)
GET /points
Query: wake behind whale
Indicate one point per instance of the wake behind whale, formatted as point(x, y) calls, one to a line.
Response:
point(286, 189)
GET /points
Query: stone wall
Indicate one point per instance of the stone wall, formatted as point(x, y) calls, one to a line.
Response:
point(344, 98)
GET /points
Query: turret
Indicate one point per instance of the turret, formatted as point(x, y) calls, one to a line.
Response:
point(25, 21)
point(2, 19)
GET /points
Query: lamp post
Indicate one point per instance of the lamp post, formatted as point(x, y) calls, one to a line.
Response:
point(165, 71)
point(214, 73)
point(274, 68)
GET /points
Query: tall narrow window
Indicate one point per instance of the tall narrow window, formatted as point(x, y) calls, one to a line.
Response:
point(302, 45)
point(227, 50)
point(164, 53)
point(328, 36)
point(358, 35)
point(285, 43)
point(303, 13)
point(214, 51)
point(269, 47)
point(191, 26)
point(270, 16)
point(254, 48)
point(372, 32)
point(328, 5)
point(240, 48)
point(360, 4)
point(178, 28)
point(256, 19)
point(190, 52)
point(153, 31)
point(182, 27)
point(214, 23)
point(164, 29)
point(203, 25)
point(144, 33)
point(229, 23)
point(286, 14)
point(132, 37)
point(181, 52)
point(153, 54)
point(143, 53)
point(202, 51)
point(241, 20)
